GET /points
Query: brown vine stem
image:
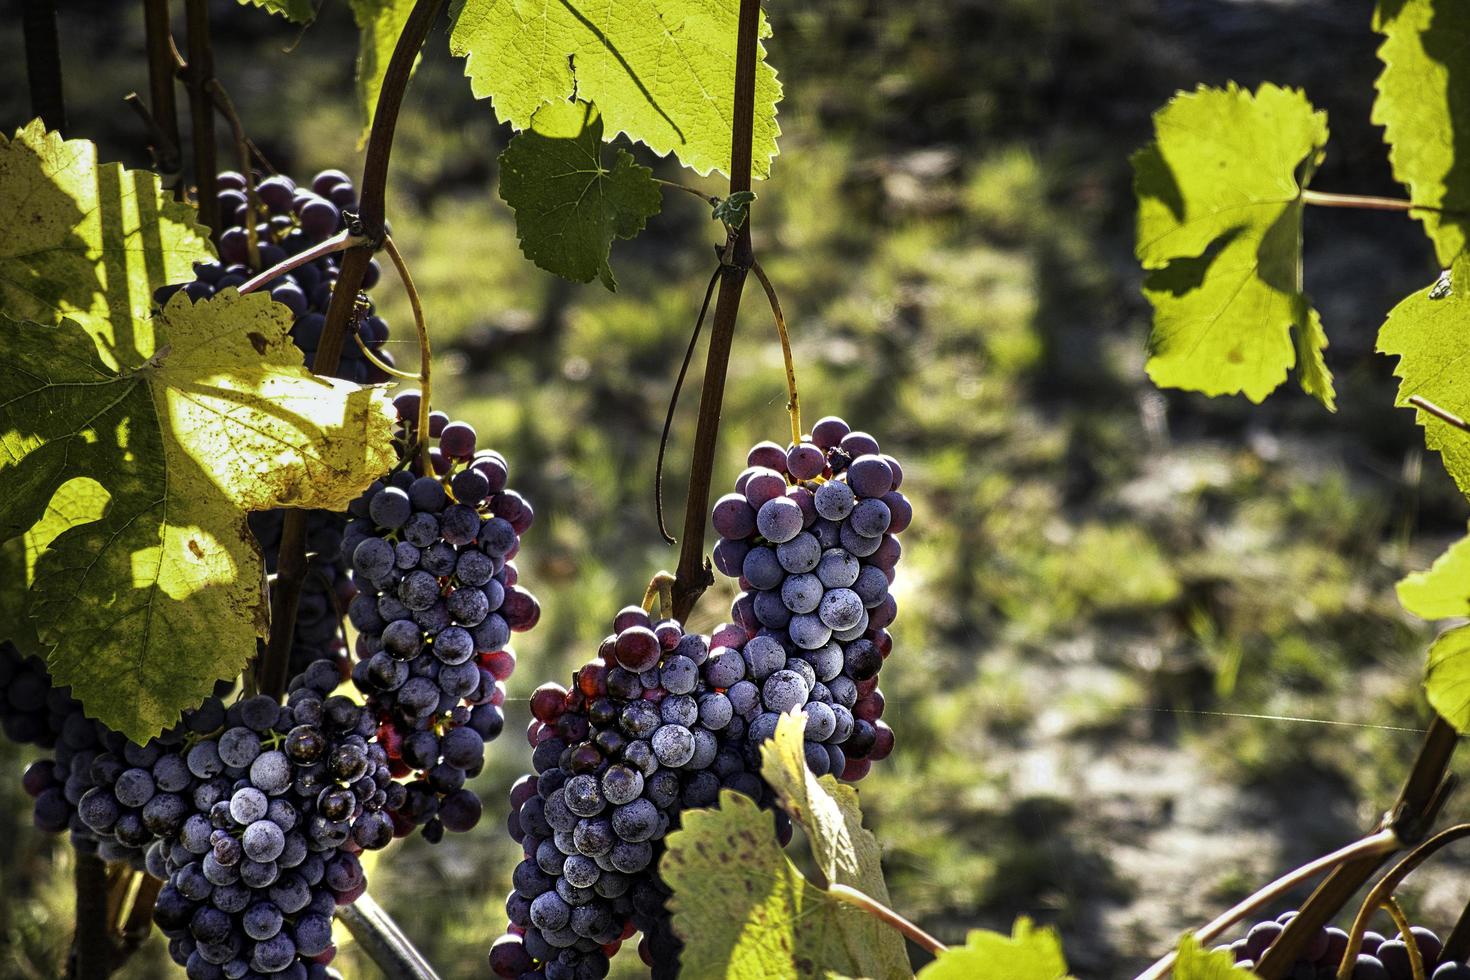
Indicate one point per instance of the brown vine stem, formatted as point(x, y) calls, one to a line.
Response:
point(693, 574)
point(1418, 804)
point(338, 242)
point(221, 101)
point(1382, 842)
point(163, 107)
point(1383, 890)
point(90, 949)
point(421, 327)
point(1406, 932)
point(291, 563)
point(43, 62)
point(1324, 199)
point(1444, 415)
point(883, 913)
point(198, 72)
point(793, 399)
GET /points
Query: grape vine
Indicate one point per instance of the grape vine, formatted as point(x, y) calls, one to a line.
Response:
point(259, 612)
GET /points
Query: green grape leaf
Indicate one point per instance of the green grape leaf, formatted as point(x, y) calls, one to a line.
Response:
point(734, 210)
point(144, 609)
point(1423, 106)
point(1447, 677)
point(379, 23)
point(846, 853)
point(296, 11)
point(1194, 962)
point(569, 207)
point(1426, 331)
point(745, 911)
point(1442, 590)
point(15, 625)
point(661, 71)
point(89, 241)
point(76, 502)
point(1219, 228)
point(1027, 953)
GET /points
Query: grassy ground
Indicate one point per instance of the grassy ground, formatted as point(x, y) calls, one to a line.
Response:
point(1106, 587)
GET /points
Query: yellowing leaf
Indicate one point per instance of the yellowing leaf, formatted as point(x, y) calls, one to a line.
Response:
point(1219, 225)
point(144, 609)
point(1027, 954)
point(568, 206)
point(89, 241)
point(1443, 590)
point(845, 851)
point(1426, 330)
point(1423, 106)
point(661, 71)
point(745, 911)
point(379, 23)
point(1194, 962)
point(1447, 677)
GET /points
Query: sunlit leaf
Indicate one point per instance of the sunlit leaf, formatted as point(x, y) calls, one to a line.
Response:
point(1426, 331)
point(1423, 106)
point(745, 911)
point(379, 23)
point(1194, 962)
point(1219, 226)
point(297, 11)
point(1442, 590)
point(89, 241)
point(845, 851)
point(661, 71)
point(1027, 954)
point(1447, 677)
point(144, 609)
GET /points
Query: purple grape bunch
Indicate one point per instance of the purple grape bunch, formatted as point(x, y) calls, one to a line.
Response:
point(811, 533)
point(292, 219)
point(432, 558)
point(282, 801)
point(1378, 958)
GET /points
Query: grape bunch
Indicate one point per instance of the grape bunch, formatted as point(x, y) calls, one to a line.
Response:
point(1378, 958)
point(811, 534)
point(437, 603)
point(325, 591)
point(32, 712)
point(84, 753)
point(266, 845)
point(644, 732)
point(292, 219)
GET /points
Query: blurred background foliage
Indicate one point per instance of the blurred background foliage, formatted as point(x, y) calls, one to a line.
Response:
point(1106, 588)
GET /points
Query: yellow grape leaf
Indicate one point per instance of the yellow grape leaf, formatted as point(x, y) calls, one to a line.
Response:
point(745, 911)
point(1027, 954)
point(89, 241)
point(145, 608)
point(1442, 590)
point(1219, 229)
